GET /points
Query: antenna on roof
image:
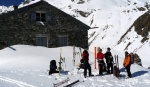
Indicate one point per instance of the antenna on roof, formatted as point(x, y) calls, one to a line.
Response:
point(15, 7)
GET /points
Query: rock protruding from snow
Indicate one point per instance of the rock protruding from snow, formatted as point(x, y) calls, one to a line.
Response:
point(80, 1)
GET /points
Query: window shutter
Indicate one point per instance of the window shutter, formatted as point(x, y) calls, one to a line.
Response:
point(53, 19)
point(33, 16)
point(48, 17)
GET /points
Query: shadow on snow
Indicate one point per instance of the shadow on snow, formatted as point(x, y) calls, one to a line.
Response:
point(139, 73)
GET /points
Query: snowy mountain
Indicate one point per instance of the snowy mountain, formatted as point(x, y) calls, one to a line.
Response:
point(119, 24)
point(4, 9)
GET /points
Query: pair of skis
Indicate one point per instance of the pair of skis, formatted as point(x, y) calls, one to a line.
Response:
point(60, 83)
point(71, 84)
point(78, 54)
point(60, 61)
point(64, 81)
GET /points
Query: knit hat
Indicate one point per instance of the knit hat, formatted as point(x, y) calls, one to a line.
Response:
point(126, 52)
point(108, 48)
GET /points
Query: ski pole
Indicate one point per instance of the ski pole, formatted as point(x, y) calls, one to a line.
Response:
point(117, 61)
point(65, 63)
point(80, 52)
point(60, 61)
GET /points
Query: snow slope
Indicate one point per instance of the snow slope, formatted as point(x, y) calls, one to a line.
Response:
point(27, 66)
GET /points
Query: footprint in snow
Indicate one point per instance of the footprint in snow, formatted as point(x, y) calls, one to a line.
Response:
point(31, 73)
point(25, 72)
point(146, 81)
point(100, 80)
point(120, 84)
point(42, 75)
point(95, 85)
point(109, 84)
point(12, 71)
point(91, 79)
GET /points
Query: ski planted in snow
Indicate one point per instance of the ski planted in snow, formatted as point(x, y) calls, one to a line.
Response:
point(60, 68)
point(80, 52)
point(60, 83)
point(71, 84)
point(73, 60)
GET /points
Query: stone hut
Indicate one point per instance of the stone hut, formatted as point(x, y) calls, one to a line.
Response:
point(41, 24)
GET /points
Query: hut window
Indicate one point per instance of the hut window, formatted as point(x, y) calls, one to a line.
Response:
point(63, 40)
point(41, 41)
point(41, 17)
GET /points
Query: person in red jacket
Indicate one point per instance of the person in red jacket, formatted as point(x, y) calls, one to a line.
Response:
point(100, 57)
point(85, 57)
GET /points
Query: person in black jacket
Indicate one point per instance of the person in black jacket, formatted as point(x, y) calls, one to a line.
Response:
point(109, 61)
point(85, 57)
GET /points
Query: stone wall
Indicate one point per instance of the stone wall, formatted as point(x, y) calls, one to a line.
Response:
point(20, 28)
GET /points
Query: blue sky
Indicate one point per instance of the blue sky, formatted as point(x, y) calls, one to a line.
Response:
point(10, 2)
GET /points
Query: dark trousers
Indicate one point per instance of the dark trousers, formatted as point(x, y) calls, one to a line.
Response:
point(100, 69)
point(87, 67)
point(128, 71)
point(109, 66)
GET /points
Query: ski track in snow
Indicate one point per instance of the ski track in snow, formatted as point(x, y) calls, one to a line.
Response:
point(96, 81)
point(17, 82)
point(18, 76)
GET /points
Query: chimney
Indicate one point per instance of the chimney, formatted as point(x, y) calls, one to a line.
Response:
point(15, 7)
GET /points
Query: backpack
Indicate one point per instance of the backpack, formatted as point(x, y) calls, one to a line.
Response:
point(109, 57)
point(53, 67)
point(132, 58)
point(81, 65)
point(116, 71)
point(53, 64)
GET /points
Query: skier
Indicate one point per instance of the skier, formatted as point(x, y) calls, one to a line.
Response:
point(100, 57)
point(127, 64)
point(109, 61)
point(85, 57)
